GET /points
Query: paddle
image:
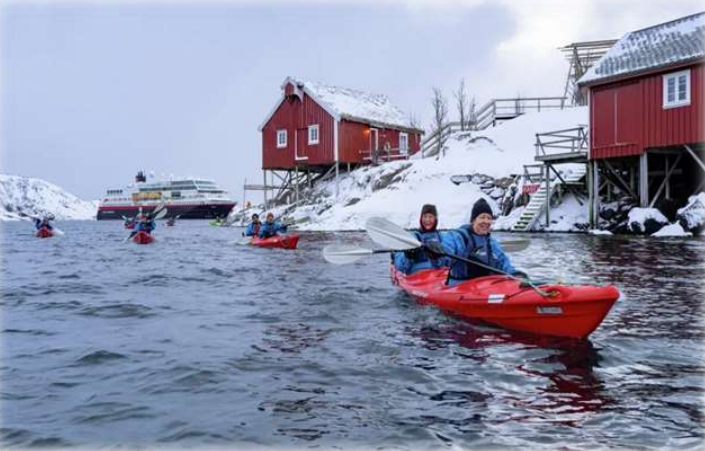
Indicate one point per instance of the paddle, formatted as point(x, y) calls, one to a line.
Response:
point(342, 254)
point(388, 234)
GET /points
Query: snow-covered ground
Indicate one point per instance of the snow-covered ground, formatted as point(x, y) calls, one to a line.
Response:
point(22, 196)
point(397, 190)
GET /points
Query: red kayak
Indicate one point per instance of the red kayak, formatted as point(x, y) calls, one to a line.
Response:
point(44, 233)
point(277, 241)
point(573, 311)
point(142, 237)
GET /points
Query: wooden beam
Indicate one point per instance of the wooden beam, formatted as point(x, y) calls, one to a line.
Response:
point(665, 181)
point(695, 157)
point(644, 180)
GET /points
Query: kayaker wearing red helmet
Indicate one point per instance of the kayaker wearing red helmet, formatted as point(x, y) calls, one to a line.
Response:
point(417, 259)
point(473, 241)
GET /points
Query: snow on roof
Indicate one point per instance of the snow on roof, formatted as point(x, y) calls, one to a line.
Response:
point(658, 46)
point(351, 104)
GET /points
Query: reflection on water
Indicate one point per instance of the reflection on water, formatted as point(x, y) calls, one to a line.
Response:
point(193, 341)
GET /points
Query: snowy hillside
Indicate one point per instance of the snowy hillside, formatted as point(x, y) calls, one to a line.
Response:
point(22, 196)
point(397, 190)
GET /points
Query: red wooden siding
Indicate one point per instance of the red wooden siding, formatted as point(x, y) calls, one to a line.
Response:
point(295, 116)
point(628, 117)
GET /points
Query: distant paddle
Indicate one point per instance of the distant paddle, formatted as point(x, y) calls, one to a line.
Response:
point(342, 254)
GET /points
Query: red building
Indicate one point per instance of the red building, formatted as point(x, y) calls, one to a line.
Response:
point(646, 115)
point(314, 127)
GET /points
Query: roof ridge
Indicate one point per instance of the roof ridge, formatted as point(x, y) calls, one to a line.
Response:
point(679, 19)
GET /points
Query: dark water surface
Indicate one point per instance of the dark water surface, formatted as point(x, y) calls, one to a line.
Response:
point(194, 341)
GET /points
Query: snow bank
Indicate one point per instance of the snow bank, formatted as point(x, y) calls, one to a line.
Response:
point(21, 197)
point(397, 190)
point(672, 230)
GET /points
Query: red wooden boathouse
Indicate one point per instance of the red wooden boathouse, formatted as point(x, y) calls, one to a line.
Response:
point(646, 101)
point(317, 128)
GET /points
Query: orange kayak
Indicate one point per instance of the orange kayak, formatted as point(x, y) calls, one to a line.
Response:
point(573, 311)
point(44, 233)
point(142, 237)
point(277, 241)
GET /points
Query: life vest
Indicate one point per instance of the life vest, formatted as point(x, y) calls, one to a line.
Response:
point(463, 270)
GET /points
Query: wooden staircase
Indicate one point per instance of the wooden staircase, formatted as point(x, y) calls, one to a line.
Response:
point(541, 198)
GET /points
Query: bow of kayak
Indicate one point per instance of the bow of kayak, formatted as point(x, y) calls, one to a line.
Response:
point(573, 311)
point(44, 233)
point(143, 238)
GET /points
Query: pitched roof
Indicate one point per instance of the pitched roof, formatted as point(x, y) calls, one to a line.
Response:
point(662, 45)
point(351, 104)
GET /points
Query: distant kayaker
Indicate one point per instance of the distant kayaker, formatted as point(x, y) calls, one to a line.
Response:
point(474, 242)
point(145, 223)
point(44, 222)
point(271, 227)
point(417, 259)
point(254, 227)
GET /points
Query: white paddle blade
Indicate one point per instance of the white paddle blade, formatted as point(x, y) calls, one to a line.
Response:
point(342, 254)
point(514, 245)
point(387, 234)
point(58, 231)
point(161, 214)
point(242, 242)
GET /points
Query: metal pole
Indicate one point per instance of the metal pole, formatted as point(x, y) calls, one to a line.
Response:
point(264, 174)
point(548, 194)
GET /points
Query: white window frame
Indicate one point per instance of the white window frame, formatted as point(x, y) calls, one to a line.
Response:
point(405, 148)
point(677, 102)
point(311, 129)
point(281, 144)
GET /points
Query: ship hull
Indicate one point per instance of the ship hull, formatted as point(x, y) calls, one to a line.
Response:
point(203, 211)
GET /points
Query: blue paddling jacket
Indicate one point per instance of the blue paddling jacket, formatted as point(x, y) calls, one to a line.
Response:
point(146, 226)
point(417, 259)
point(463, 242)
point(39, 223)
point(253, 229)
point(270, 229)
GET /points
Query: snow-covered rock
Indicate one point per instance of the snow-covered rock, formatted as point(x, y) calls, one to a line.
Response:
point(692, 216)
point(672, 230)
point(646, 220)
point(21, 197)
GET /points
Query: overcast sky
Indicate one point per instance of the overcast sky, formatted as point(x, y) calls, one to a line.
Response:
point(92, 92)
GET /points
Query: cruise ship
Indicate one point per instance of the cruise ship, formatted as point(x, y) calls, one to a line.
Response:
point(188, 198)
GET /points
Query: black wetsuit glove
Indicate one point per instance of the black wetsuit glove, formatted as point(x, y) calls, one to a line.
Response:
point(521, 275)
point(412, 254)
point(434, 250)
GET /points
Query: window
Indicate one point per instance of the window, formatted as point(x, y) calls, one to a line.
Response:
point(403, 143)
point(313, 134)
point(676, 89)
point(281, 139)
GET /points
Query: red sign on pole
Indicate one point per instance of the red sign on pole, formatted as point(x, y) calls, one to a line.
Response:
point(530, 188)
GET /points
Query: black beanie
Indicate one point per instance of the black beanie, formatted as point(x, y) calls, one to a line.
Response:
point(481, 206)
point(429, 208)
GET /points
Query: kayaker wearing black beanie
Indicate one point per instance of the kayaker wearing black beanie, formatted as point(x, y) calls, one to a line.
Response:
point(473, 241)
point(414, 260)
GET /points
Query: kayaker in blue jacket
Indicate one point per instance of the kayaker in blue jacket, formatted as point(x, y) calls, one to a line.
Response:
point(254, 227)
point(414, 260)
point(474, 241)
point(44, 222)
point(145, 223)
point(270, 227)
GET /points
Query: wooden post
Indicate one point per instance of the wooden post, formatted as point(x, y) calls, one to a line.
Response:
point(595, 206)
point(548, 193)
point(644, 180)
point(336, 180)
point(297, 184)
point(668, 179)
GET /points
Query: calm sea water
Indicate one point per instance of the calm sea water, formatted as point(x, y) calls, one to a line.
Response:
point(194, 341)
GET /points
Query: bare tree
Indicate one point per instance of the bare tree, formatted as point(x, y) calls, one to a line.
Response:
point(440, 118)
point(414, 121)
point(472, 113)
point(461, 102)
